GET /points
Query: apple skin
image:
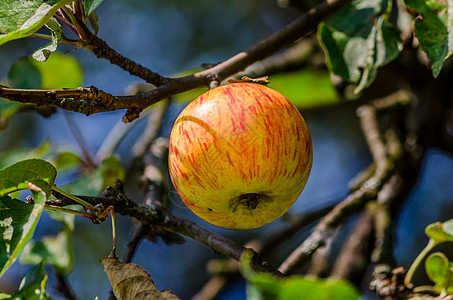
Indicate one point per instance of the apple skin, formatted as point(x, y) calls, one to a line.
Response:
point(240, 155)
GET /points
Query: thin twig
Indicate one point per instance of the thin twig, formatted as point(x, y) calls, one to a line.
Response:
point(155, 120)
point(65, 40)
point(113, 139)
point(80, 141)
point(138, 235)
point(292, 58)
point(100, 48)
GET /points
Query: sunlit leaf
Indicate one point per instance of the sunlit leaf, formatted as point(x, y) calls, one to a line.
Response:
point(130, 281)
point(306, 88)
point(359, 40)
point(60, 71)
point(33, 286)
point(189, 95)
point(16, 176)
point(21, 18)
point(434, 30)
point(43, 53)
point(56, 250)
point(17, 224)
point(447, 226)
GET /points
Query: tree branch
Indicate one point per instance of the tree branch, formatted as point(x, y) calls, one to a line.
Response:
point(327, 226)
point(159, 218)
point(384, 160)
point(101, 50)
point(354, 256)
point(91, 100)
point(87, 101)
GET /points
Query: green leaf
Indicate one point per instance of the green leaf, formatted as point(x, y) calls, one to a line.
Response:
point(43, 53)
point(91, 5)
point(60, 71)
point(22, 18)
point(89, 184)
point(39, 185)
point(24, 74)
point(440, 232)
point(56, 250)
point(434, 30)
point(438, 269)
point(189, 95)
point(17, 224)
point(66, 160)
point(16, 176)
point(10, 157)
point(94, 182)
point(358, 40)
point(306, 88)
point(68, 220)
point(266, 286)
point(33, 286)
point(111, 170)
point(93, 18)
point(57, 72)
point(7, 110)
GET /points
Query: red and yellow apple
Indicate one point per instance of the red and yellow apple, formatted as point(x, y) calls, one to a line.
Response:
point(240, 155)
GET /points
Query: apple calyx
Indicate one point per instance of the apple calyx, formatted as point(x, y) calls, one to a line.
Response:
point(249, 200)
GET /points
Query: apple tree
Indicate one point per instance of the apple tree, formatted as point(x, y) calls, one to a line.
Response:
point(84, 152)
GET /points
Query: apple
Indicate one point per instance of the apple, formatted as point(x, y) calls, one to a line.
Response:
point(240, 155)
